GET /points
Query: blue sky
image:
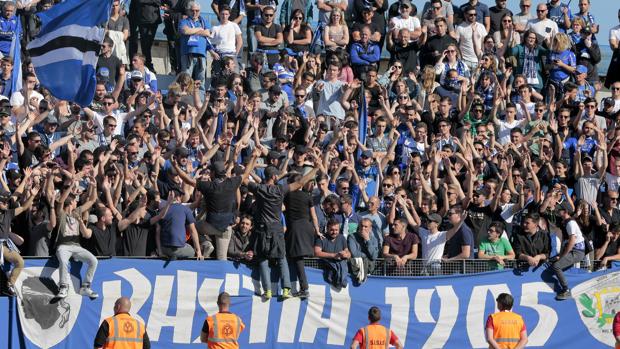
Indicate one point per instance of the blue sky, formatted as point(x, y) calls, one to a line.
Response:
point(605, 11)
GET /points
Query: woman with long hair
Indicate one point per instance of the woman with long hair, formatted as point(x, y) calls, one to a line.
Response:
point(298, 34)
point(562, 63)
point(506, 37)
point(451, 60)
point(336, 33)
point(118, 31)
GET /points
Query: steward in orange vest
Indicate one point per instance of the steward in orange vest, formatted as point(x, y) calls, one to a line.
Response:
point(505, 329)
point(222, 330)
point(375, 336)
point(122, 331)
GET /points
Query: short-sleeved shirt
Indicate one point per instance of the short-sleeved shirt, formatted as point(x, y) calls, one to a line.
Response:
point(463, 237)
point(501, 247)
point(482, 11)
point(224, 36)
point(432, 244)
point(271, 32)
point(102, 241)
point(614, 33)
point(220, 195)
point(336, 245)
point(193, 44)
point(465, 38)
point(269, 200)
point(173, 225)
point(401, 247)
point(122, 23)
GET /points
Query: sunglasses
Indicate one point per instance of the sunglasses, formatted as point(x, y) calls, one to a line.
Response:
point(107, 103)
point(299, 18)
point(403, 97)
point(478, 110)
point(300, 96)
point(590, 106)
point(450, 51)
point(268, 15)
point(541, 110)
point(398, 67)
point(541, 11)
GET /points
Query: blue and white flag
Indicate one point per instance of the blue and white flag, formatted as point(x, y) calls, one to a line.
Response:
point(65, 52)
point(16, 54)
point(363, 116)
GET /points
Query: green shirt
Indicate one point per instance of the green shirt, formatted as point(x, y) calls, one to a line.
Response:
point(500, 247)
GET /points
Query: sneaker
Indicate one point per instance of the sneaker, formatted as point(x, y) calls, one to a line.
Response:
point(63, 292)
point(267, 295)
point(286, 293)
point(564, 295)
point(85, 290)
point(303, 294)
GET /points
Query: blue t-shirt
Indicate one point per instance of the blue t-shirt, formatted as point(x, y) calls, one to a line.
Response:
point(173, 225)
point(555, 14)
point(567, 57)
point(7, 28)
point(194, 44)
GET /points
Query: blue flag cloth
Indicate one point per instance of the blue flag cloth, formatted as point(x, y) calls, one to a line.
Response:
point(65, 51)
point(363, 115)
point(15, 53)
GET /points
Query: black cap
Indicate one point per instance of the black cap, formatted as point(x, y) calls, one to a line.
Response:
point(367, 154)
point(274, 155)
point(275, 89)
point(181, 152)
point(301, 149)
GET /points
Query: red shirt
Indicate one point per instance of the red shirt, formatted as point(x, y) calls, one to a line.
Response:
point(359, 337)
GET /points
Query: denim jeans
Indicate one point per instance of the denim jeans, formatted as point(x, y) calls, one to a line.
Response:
point(265, 273)
point(195, 66)
point(66, 252)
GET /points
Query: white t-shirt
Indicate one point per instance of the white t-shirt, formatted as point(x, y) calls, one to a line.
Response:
point(613, 182)
point(432, 244)
point(531, 107)
point(411, 23)
point(17, 98)
point(544, 29)
point(504, 128)
point(464, 36)
point(572, 228)
point(120, 117)
point(614, 33)
point(224, 36)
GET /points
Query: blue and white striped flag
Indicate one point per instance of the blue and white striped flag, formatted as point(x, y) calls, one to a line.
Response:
point(363, 116)
point(16, 53)
point(65, 51)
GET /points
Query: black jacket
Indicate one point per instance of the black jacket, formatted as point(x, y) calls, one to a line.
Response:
point(145, 11)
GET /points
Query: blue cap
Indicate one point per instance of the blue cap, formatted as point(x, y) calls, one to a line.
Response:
point(581, 69)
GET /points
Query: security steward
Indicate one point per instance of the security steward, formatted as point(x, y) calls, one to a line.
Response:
point(505, 329)
point(375, 336)
point(122, 331)
point(221, 331)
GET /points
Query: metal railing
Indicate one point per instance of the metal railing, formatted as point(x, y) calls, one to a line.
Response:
point(388, 267)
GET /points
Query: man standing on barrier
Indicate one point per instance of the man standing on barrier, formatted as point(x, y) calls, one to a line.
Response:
point(222, 330)
point(375, 336)
point(505, 329)
point(122, 330)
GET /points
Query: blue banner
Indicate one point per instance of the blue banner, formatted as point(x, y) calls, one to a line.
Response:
point(173, 299)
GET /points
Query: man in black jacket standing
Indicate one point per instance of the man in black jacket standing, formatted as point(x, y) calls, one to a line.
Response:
point(144, 19)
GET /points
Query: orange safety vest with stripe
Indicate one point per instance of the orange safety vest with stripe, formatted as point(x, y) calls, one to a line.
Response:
point(375, 337)
point(224, 330)
point(507, 327)
point(124, 332)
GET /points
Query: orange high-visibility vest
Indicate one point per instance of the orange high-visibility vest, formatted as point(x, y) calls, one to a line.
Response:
point(507, 328)
point(125, 332)
point(224, 330)
point(375, 337)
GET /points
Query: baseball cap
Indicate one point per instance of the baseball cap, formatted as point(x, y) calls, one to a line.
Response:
point(301, 149)
point(367, 153)
point(51, 119)
point(275, 89)
point(581, 69)
point(405, 3)
point(274, 155)
point(434, 217)
point(136, 75)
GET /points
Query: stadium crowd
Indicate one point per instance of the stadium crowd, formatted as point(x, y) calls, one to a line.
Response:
point(482, 137)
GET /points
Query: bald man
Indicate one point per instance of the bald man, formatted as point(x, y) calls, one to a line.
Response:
point(122, 330)
point(222, 330)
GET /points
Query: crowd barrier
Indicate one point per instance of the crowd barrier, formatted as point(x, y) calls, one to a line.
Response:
point(446, 311)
